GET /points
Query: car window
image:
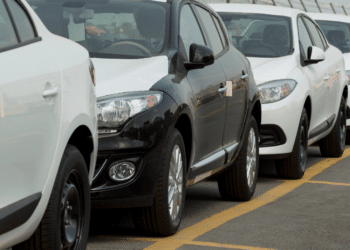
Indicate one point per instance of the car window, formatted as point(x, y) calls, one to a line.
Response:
point(314, 33)
point(220, 31)
point(7, 34)
point(189, 29)
point(259, 35)
point(211, 29)
point(304, 38)
point(337, 33)
point(110, 29)
point(23, 24)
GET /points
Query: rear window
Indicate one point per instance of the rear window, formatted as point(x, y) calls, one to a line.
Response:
point(337, 34)
point(259, 35)
point(115, 28)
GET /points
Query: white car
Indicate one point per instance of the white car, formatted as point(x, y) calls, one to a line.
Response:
point(301, 78)
point(48, 138)
point(336, 28)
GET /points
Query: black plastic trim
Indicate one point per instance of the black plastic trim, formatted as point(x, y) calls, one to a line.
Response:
point(16, 214)
point(274, 157)
point(347, 112)
point(18, 45)
point(278, 134)
point(142, 201)
point(322, 127)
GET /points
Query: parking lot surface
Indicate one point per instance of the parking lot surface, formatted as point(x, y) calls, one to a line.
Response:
point(311, 213)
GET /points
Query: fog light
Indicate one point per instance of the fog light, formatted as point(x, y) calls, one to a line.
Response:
point(122, 171)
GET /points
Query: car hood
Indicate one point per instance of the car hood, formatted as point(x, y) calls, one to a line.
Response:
point(124, 75)
point(347, 61)
point(268, 69)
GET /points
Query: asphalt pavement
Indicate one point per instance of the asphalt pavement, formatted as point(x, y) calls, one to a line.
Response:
point(311, 213)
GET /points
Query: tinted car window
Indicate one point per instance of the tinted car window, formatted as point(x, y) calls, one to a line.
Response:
point(259, 35)
point(7, 33)
point(220, 30)
point(110, 29)
point(211, 29)
point(337, 33)
point(304, 37)
point(23, 24)
point(314, 33)
point(189, 29)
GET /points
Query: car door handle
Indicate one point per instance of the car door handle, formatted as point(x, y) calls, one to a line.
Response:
point(326, 78)
point(222, 89)
point(50, 92)
point(338, 70)
point(244, 76)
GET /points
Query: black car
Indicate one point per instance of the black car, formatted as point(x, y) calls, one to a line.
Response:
point(176, 103)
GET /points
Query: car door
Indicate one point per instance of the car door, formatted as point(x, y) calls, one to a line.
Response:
point(317, 75)
point(236, 74)
point(208, 86)
point(29, 104)
point(332, 65)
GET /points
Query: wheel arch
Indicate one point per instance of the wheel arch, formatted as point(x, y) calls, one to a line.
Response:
point(82, 140)
point(184, 125)
point(256, 112)
point(345, 92)
point(307, 106)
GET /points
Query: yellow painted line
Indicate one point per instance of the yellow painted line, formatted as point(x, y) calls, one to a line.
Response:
point(330, 183)
point(216, 220)
point(203, 243)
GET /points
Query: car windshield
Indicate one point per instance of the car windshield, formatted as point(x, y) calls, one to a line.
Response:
point(337, 33)
point(109, 28)
point(259, 35)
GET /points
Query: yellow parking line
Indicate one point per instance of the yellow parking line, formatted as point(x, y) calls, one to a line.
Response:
point(216, 220)
point(204, 244)
point(330, 183)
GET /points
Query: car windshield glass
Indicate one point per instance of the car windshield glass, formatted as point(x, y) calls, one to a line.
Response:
point(109, 28)
point(259, 35)
point(337, 34)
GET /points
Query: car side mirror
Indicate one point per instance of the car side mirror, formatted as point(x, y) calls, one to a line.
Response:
point(314, 55)
point(200, 56)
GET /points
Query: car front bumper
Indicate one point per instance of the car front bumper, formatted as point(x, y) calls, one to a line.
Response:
point(141, 142)
point(282, 119)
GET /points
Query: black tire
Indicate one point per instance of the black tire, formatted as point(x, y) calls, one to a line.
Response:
point(233, 183)
point(333, 145)
point(71, 179)
point(347, 142)
point(156, 219)
point(294, 166)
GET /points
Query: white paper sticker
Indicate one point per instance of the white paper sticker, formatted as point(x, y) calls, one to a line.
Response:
point(76, 30)
point(228, 88)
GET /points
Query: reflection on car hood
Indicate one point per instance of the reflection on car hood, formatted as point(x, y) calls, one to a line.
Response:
point(347, 61)
point(124, 75)
point(268, 69)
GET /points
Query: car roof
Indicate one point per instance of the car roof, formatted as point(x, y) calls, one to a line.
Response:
point(330, 17)
point(256, 8)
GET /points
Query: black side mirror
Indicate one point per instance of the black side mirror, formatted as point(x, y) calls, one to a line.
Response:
point(200, 56)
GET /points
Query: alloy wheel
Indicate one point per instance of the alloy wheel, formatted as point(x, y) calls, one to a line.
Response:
point(303, 149)
point(175, 187)
point(342, 130)
point(251, 158)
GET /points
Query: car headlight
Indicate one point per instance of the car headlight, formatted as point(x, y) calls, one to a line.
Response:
point(276, 90)
point(115, 110)
point(348, 74)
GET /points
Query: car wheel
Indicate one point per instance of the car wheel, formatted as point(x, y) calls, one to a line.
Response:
point(333, 145)
point(164, 216)
point(347, 142)
point(239, 181)
point(65, 224)
point(294, 166)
